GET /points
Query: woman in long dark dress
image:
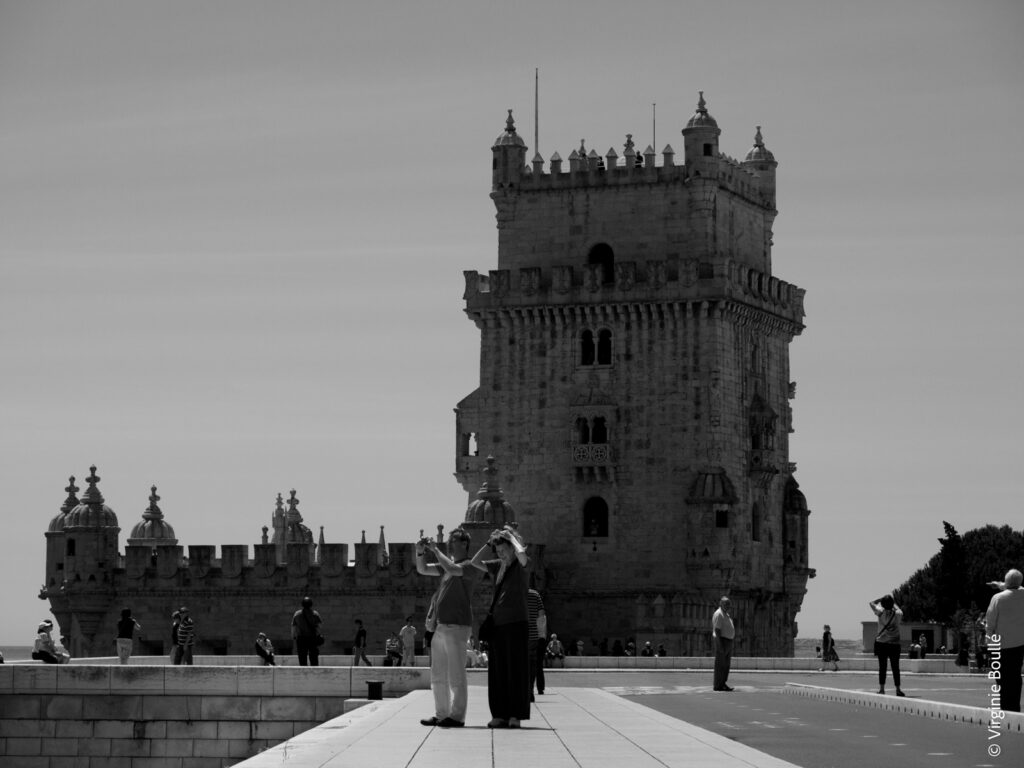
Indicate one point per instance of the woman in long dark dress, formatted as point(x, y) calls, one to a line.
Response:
point(508, 663)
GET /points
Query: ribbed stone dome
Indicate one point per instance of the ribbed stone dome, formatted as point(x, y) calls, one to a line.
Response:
point(152, 528)
point(510, 138)
point(490, 505)
point(702, 118)
point(759, 153)
point(91, 512)
point(712, 486)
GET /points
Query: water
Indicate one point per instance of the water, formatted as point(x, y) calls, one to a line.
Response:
point(17, 652)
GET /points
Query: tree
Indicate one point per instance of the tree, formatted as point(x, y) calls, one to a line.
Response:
point(952, 583)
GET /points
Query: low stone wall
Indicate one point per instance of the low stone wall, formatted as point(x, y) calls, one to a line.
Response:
point(859, 663)
point(162, 716)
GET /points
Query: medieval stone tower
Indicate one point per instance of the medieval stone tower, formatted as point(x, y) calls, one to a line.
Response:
point(635, 389)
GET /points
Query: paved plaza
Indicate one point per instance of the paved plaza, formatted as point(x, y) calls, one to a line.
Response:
point(583, 720)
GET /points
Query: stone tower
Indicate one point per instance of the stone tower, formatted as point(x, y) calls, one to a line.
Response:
point(635, 388)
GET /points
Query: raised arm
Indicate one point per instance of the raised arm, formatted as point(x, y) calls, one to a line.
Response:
point(480, 557)
point(422, 566)
point(446, 563)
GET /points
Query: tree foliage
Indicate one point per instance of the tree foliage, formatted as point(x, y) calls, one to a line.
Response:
point(952, 582)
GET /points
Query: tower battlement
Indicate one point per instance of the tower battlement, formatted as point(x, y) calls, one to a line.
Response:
point(656, 281)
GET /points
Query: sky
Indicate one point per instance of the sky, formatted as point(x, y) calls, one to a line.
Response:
point(233, 234)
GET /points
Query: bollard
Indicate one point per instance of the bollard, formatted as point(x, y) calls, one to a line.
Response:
point(375, 690)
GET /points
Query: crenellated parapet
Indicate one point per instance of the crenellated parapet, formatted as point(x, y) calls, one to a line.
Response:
point(656, 281)
point(167, 565)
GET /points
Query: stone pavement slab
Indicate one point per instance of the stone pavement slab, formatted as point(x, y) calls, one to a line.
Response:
point(569, 728)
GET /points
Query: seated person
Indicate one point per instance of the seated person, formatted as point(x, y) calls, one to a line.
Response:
point(393, 651)
point(45, 649)
point(555, 651)
point(265, 650)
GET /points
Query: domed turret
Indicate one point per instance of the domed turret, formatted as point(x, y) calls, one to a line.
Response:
point(490, 506)
point(793, 499)
point(702, 118)
point(700, 136)
point(509, 156)
point(91, 511)
point(759, 153)
point(762, 162)
point(57, 523)
point(152, 530)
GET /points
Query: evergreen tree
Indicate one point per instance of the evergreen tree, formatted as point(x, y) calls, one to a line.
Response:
point(951, 585)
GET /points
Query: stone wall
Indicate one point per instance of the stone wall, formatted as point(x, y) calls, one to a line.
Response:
point(162, 716)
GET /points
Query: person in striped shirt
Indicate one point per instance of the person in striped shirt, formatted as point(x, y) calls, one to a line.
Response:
point(186, 637)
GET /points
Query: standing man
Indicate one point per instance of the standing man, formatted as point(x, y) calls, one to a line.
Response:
point(1004, 629)
point(407, 635)
point(538, 639)
point(306, 634)
point(724, 631)
point(359, 645)
point(454, 616)
point(186, 637)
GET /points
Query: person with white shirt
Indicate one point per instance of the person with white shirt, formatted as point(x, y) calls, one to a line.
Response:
point(1004, 629)
point(724, 632)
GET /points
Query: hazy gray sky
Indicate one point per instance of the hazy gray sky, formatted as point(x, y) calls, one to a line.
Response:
point(233, 233)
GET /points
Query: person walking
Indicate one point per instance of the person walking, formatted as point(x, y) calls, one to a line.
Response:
point(449, 625)
point(359, 645)
point(407, 635)
point(887, 640)
point(186, 637)
point(175, 648)
point(538, 639)
point(724, 632)
point(1004, 629)
point(828, 650)
point(508, 663)
point(126, 627)
point(306, 634)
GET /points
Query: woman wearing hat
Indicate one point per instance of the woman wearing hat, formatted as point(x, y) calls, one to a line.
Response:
point(508, 665)
point(45, 650)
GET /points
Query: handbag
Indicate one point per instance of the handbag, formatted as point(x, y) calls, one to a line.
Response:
point(486, 631)
point(319, 639)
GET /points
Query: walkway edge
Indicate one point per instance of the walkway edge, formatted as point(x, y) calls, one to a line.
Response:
point(1012, 722)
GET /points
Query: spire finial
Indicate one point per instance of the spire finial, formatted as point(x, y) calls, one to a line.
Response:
point(280, 503)
point(629, 141)
point(510, 124)
point(92, 494)
point(153, 512)
point(294, 516)
point(758, 139)
point(583, 149)
point(702, 106)
point(72, 500)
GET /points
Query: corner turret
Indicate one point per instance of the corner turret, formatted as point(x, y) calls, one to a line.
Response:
point(509, 159)
point(152, 530)
point(700, 139)
point(762, 162)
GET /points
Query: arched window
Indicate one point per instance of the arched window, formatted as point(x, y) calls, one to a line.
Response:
point(755, 522)
point(582, 431)
point(595, 518)
point(587, 348)
point(600, 432)
point(70, 550)
point(604, 347)
point(602, 254)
